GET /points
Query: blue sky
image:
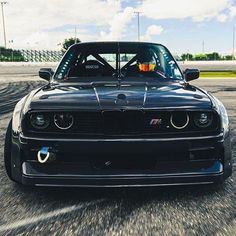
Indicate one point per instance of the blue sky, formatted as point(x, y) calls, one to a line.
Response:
point(186, 35)
point(181, 25)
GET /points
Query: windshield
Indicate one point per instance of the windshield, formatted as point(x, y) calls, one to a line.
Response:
point(116, 61)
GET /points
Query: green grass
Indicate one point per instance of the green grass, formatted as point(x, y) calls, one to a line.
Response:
point(227, 74)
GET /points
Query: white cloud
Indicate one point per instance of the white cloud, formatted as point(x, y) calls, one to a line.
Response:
point(222, 17)
point(231, 13)
point(198, 10)
point(118, 25)
point(42, 24)
point(152, 30)
point(28, 20)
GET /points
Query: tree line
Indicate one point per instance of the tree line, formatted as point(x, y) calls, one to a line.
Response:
point(214, 56)
point(8, 54)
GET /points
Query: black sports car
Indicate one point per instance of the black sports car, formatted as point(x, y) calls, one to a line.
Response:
point(118, 114)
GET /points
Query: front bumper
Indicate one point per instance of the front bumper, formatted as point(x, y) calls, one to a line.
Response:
point(193, 160)
point(36, 174)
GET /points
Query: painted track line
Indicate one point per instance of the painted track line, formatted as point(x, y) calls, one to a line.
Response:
point(46, 216)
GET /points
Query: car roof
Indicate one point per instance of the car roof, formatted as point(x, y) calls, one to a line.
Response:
point(116, 42)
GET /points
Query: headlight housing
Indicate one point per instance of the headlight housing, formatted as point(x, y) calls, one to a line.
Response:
point(203, 119)
point(39, 121)
point(63, 121)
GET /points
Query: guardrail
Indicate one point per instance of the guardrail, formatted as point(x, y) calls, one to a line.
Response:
point(41, 56)
point(208, 66)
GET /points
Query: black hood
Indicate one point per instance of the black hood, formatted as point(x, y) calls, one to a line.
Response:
point(108, 96)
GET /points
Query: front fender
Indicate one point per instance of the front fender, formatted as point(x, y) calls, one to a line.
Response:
point(16, 118)
point(225, 124)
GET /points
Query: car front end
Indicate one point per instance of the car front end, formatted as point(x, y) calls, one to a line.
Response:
point(113, 127)
point(123, 148)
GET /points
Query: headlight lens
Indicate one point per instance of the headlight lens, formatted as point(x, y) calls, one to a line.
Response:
point(63, 121)
point(179, 120)
point(203, 120)
point(39, 121)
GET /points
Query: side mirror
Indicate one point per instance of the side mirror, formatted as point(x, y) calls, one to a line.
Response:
point(191, 74)
point(46, 73)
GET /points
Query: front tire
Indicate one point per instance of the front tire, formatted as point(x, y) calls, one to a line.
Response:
point(7, 150)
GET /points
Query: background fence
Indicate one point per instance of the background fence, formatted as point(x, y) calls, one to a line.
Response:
point(29, 55)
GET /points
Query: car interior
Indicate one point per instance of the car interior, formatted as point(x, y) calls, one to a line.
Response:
point(131, 65)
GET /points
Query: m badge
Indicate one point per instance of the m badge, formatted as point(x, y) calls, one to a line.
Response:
point(155, 122)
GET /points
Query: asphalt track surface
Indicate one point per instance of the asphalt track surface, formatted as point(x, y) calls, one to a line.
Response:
point(196, 210)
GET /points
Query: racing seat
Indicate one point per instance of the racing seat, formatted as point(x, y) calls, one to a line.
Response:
point(89, 68)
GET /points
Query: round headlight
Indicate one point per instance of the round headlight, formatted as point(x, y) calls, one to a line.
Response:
point(203, 120)
point(39, 121)
point(179, 120)
point(63, 121)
